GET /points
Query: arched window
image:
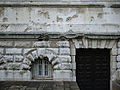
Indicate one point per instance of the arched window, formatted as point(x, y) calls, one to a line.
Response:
point(41, 69)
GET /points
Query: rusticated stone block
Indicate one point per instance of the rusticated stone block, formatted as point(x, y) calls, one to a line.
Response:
point(6, 43)
point(119, 51)
point(35, 54)
point(18, 58)
point(9, 58)
point(3, 67)
point(114, 64)
point(14, 66)
point(27, 61)
point(22, 15)
point(2, 61)
point(118, 58)
point(42, 44)
point(62, 74)
point(64, 51)
point(25, 67)
point(23, 44)
point(27, 50)
point(13, 51)
point(56, 61)
point(114, 51)
point(41, 51)
point(65, 58)
point(119, 44)
point(63, 66)
point(1, 50)
point(51, 51)
point(66, 66)
point(63, 44)
point(30, 57)
point(118, 65)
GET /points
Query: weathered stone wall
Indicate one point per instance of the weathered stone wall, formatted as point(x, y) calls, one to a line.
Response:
point(52, 19)
point(113, 45)
point(17, 56)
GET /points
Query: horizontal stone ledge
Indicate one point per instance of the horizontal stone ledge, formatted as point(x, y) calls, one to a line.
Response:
point(58, 0)
point(64, 5)
point(63, 36)
point(57, 3)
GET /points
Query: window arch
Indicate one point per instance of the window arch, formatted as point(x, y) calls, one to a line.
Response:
point(41, 69)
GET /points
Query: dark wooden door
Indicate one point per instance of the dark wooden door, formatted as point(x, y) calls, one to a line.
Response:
point(93, 69)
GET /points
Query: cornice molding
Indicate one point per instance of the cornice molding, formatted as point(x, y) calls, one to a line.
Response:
point(62, 36)
point(99, 4)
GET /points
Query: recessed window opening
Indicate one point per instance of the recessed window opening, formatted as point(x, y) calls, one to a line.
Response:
point(41, 69)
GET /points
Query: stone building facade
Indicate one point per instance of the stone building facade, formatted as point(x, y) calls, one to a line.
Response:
point(53, 30)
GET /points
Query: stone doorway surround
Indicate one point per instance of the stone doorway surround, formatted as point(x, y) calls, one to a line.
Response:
point(93, 43)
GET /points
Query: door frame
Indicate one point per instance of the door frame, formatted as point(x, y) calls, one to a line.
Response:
point(94, 44)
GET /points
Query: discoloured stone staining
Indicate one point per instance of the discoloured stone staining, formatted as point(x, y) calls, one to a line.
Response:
point(13, 19)
point(70, 18)
point(1, 12)
point(26, 19)
point(59, 19)
point(44, 14)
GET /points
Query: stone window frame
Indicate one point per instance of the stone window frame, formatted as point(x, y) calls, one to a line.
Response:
point(110, 44)
point(33, 54)
point(36, 67)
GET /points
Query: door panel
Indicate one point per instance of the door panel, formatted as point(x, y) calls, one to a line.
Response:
point(93, 69)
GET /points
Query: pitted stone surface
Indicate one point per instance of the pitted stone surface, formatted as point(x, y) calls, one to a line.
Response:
point(80, 20)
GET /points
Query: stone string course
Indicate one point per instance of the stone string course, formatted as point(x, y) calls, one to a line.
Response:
point(57, 0)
